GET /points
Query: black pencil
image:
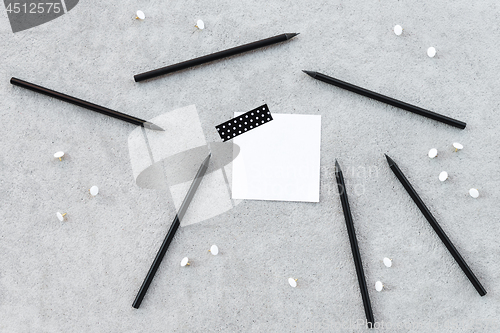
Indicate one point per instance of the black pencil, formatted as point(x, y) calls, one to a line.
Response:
point(171, 232)
point(354, 245)
point(214, 56)
point(84, 104)
point(387, 100)
point(437, 228)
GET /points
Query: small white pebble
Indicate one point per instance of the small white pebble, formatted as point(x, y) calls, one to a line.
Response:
point(474, 193)
point(431, 52)
point(379, 286)
point(292, 282)
point(443, 176)
point(60, 216)
point(387, 262)
point(433, 153)
point(398, 30)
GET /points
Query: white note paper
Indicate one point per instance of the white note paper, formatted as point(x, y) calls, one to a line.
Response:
point(279, 160)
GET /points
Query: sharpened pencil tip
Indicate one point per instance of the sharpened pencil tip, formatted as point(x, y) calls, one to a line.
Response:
point(291, 35)
point(152, 126)
point(389, 160)
point(337, 166)
point(311, 74)
point(207, 159)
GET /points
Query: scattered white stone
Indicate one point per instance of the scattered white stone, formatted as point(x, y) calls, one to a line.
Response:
point(474, 193)
point(292, 282)
point(379, 286)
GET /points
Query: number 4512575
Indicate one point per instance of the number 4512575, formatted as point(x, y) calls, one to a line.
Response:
point(34, 8)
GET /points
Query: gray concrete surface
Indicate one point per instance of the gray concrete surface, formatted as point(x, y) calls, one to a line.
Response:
point(82, 275)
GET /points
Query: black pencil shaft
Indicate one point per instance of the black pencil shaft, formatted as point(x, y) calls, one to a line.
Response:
point(156, 263)
point(81, 103)
point(354, 245)
point(389, 100)
point(212, 57)
point(435, 225)
point(171, 232)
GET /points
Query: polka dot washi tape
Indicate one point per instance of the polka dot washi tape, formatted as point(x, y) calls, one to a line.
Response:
point(244, 123)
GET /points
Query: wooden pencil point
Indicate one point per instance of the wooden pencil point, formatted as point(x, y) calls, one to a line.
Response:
point(337, 166)
point(311, 74)
point(389, 160)
point(291, 35)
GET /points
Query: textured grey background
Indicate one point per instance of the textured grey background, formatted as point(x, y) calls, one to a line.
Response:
point(82, 275)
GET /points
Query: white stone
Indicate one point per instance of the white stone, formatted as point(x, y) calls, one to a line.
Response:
point(60, 216)
point(292, 282)
point(458, 146)
point(379, 286)
point(474, 193)
point(200, 24)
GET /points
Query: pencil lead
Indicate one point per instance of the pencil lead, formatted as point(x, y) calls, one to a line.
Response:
point(152, 126)
point(291, 35)
point(389, 160)
point(311, 74)
point(337, 166)
point(207, 159)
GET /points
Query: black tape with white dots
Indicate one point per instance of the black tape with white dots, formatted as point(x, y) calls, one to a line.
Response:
point(244, 123)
